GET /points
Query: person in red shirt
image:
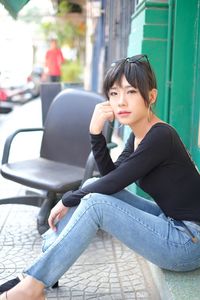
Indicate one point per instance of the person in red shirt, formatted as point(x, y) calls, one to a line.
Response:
point(53, 61)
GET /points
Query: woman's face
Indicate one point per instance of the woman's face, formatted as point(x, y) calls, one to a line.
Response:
point(127, 103)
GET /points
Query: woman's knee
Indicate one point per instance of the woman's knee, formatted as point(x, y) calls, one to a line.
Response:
point(90, 180)
point(93, 198)
point(98, 202)
point(94, 205)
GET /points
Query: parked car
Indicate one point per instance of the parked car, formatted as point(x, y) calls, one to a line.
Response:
point(19, 88)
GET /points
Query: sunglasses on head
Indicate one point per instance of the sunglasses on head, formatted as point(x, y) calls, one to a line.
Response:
point(132, 59)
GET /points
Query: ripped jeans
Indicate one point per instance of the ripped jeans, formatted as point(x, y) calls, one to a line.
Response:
point(138, 223)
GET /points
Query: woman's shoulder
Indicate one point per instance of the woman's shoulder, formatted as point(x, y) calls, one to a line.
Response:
point(161, 134)
point(163, 128)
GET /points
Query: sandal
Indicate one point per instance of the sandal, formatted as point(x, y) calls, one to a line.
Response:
point(6, 286)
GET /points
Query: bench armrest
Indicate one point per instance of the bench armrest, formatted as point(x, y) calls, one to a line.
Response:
point(111, 145)
point(8, 142)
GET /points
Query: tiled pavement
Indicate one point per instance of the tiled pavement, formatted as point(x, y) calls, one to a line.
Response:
point(107, 270)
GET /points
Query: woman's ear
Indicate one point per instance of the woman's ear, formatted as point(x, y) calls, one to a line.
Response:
point(153, 96)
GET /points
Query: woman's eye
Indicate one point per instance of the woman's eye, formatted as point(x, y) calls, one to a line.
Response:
point(131, 91)
point(113, 94)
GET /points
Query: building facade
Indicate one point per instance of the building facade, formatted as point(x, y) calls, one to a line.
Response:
point(168, 31)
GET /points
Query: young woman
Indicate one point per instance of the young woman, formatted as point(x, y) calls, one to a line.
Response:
point(165, 231)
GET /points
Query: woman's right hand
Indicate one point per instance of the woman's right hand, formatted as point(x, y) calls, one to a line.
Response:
point(102, 113)
point(56, 214)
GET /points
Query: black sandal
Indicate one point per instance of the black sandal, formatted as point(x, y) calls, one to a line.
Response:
point(13, 282)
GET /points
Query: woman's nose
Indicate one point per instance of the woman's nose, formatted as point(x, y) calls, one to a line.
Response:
point(122, 100)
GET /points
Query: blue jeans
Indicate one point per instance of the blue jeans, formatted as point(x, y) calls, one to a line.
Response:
point(138, 223)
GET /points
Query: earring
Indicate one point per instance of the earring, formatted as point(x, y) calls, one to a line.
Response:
point(149, 112)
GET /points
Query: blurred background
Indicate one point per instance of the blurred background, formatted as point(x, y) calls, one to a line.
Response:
point(25, 40)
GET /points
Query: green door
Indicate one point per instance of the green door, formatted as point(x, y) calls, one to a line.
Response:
point(195, 136)
point(184, 94)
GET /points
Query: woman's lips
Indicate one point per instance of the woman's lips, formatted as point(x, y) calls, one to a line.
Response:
point(123, 113)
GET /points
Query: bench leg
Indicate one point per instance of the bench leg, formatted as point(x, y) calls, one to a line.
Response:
point(42, 218)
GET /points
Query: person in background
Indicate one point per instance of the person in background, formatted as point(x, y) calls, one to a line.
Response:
point(164, 230)
point(53, 62)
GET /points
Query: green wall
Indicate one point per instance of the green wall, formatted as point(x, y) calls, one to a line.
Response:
point(149, 36)
point(184, 95)
point(169, 33)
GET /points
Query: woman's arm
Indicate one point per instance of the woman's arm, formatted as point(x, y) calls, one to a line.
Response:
point(102, 154)
point(154, 149)
point(102, 113)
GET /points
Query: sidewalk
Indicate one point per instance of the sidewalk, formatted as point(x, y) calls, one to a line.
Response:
point(107, 270)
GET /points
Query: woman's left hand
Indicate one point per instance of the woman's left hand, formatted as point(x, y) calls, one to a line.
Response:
point(56, 214)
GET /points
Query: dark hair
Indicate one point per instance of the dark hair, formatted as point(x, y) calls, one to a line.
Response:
point(139, 74)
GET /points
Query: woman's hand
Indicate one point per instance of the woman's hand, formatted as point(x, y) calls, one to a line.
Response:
point(103, 112)
point(56, 214)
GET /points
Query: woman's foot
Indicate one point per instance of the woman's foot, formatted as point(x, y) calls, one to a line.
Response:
point(28, 289)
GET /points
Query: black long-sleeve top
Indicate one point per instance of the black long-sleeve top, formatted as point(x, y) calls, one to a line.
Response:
point(160, 165)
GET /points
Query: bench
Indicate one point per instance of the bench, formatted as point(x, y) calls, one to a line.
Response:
point(176, 285)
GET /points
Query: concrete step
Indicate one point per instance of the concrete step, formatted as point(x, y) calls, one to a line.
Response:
point(177, 285)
